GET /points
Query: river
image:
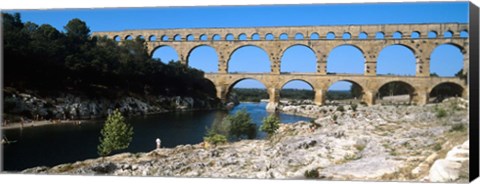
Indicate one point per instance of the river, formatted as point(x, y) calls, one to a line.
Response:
point(64, 143)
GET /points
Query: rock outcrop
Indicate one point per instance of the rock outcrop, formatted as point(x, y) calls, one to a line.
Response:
point(450, 168)
point(68, 106)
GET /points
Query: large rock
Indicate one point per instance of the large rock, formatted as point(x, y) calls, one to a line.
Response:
point(448, 169)
point(424, 166)
point(444, 171)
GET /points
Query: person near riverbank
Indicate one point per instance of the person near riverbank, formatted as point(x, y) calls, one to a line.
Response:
point(158, 141)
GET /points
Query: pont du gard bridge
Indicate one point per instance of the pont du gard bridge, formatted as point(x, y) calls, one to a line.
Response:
point(369, 39)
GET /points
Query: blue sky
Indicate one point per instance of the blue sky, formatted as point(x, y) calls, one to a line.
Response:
point(343, 59)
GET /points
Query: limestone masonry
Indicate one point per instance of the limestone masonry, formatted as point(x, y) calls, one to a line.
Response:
point(227, 40)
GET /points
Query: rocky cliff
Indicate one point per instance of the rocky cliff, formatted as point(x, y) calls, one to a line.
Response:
point(69, 106)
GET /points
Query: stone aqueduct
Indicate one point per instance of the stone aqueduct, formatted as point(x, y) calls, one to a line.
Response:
point(227, 40)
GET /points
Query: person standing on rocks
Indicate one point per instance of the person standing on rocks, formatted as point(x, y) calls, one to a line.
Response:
point(158, 141)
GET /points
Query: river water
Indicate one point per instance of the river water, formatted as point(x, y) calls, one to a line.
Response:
point(64, 143)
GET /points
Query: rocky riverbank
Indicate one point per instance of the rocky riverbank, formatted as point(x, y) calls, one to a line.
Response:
point(395, 143)
point(65, 106)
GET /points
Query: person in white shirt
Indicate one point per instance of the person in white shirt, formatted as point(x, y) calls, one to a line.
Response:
point(158, 143)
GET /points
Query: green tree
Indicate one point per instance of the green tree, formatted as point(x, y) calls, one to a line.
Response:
point(116, 134)
point(29, 28)
point(356, 90)
point(240, 125)
point(15, 49)
point(446, 90)
point(77, 30)
point(73, 60)
point(394, 88)
point(270, 124)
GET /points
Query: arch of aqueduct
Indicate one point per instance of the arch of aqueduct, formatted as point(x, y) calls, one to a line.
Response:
point(184, 41)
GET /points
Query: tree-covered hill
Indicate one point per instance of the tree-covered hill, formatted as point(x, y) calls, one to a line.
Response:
point(43, 59)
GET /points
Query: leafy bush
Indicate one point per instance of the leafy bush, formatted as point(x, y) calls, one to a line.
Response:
point(394, 152)
point(270, 124)
point(215, 138)
point(340, 108)
point(359, 147)
point(350, 157)
point(437, 147)
point(441, 113)
point(237, 126)
point(240, 125)
point(311, 173)
point(116, 134)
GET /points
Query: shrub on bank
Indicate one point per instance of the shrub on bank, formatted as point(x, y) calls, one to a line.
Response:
point(270, 125)
point(241, 125)
point(340, 108)
point(215, 138)
point(437, 147)
point(237, 126)
point(311, 173)
point(359, 147)
point(441, 113)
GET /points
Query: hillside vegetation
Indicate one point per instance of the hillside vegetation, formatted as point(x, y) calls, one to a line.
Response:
point(46, 60)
